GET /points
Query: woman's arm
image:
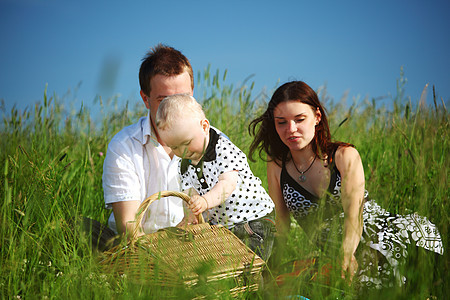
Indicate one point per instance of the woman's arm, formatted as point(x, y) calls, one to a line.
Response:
point(349, 164)
point(282, 212)
point(222, 190)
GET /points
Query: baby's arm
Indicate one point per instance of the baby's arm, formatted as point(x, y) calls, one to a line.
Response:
point(189, 217)
point(217, 195)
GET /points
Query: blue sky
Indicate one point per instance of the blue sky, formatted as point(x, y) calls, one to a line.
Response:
point(350, 46)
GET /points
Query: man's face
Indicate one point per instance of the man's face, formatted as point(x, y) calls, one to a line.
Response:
point(163, 86)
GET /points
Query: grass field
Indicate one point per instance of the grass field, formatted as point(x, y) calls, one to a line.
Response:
point(51, 168)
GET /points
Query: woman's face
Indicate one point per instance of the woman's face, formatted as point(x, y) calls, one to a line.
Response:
point(295, 123)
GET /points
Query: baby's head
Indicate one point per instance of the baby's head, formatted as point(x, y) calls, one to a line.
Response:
point(183, 127)
point(177, 107)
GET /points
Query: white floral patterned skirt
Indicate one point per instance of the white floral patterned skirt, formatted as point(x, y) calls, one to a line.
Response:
point(388, 237)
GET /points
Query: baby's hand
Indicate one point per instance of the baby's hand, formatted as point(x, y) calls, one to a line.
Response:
point(198, 204)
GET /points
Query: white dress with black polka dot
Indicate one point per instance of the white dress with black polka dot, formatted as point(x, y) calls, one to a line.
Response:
point(385, 236)
point(249, 201)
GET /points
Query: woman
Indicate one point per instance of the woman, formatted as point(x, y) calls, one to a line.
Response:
point(321, 183)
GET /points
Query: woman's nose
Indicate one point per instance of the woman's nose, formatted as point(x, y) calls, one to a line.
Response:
point(292, 127)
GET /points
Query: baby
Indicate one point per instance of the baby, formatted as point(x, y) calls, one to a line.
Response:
point(216, 174)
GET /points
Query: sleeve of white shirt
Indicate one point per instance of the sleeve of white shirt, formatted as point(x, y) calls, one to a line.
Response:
point(120, 179)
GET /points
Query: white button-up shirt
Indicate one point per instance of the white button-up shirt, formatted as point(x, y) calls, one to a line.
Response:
point(136, 166)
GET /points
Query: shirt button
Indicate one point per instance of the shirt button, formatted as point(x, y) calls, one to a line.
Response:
point(198, 170)
point(202, 180)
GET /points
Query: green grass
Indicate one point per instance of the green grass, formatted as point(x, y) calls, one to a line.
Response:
point(51, 172)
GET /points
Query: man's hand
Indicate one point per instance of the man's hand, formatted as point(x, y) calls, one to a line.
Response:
point(124, 214)
point(190, 219)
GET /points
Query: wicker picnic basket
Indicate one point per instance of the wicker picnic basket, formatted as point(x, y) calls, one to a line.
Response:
point(185, 256)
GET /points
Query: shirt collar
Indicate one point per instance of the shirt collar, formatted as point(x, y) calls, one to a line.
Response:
point(147, 131)
point(210, 153)
point(144, 132)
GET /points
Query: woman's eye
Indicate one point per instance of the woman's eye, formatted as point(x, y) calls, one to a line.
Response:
point(281, 123)
point(299, 120)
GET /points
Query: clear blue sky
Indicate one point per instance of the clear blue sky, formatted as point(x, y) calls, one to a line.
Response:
point(354, 46)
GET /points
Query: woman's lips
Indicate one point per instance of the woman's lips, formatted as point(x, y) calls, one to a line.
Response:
point(293, 138)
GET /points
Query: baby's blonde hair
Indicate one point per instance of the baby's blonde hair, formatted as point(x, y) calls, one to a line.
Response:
point(175, 107)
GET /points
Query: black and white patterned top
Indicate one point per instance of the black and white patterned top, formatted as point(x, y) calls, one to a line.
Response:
point(385, 237)
point(249, 201)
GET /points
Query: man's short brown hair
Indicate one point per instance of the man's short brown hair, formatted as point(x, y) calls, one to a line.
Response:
point(163, 60)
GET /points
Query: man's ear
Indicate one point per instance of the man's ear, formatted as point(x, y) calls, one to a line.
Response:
point(205, 125)
point(145, 99)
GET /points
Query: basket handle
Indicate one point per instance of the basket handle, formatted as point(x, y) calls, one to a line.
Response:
point(146, 203)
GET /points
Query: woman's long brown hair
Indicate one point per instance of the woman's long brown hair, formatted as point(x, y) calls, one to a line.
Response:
point(266, 137)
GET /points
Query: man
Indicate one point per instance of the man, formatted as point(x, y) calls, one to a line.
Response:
point(137, 163)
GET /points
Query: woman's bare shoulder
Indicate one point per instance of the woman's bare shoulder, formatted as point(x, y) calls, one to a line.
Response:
point(274, 164)
point(273, 168)
point(345, 156)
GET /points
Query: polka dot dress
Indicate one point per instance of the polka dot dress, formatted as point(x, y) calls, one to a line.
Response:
point(249, 201)
point(385, 238)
